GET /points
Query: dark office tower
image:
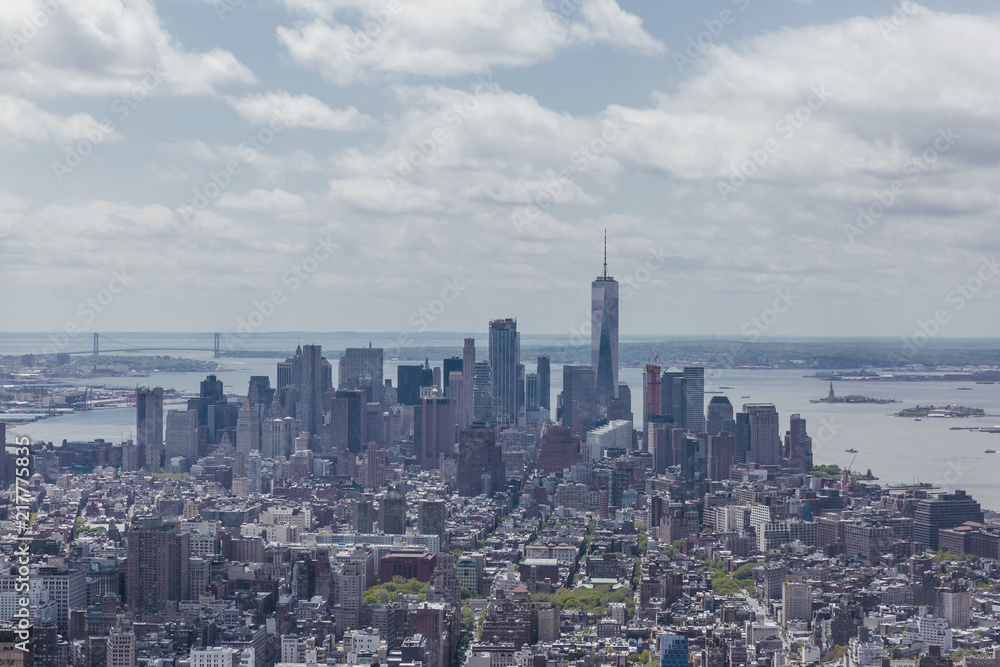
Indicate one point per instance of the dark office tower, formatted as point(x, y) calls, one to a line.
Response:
point(692, 464)
point(650, 392)
point(720, 455)
point(531, 403)
point(943, 511)
point(482, 393)
point(394, 514)
point(694, 399)
point(579, 409)
point(431, 517)
point(545, 385)
point(672, 395)
point(449, 366)
point(799, 445)
point(604, 335)
point(149, 427)
point(348, 419)
point(520, 393)
point(466, 401)
point(720, 410)
point(660, 444)
point(363, 515)
point(290, 370)
point(765, 441)
point(361, 368)
point(310, 411)
point(433, 431)
point(261, 394)
point(480, 462)
point(156, 569)
point(741, 430)
point(409, 380)
point(559, 449)
point(625, 399)
point(505, 355)
point(212, 389)
point(182, 436)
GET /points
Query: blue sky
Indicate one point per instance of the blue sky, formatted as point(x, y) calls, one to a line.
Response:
point(267, 162)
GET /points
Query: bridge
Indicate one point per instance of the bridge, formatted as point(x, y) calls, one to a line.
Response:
point(127, 347)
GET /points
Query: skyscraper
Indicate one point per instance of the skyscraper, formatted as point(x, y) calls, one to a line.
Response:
point(505, 355)
point(579, 409)
point(409, 380)
point(182, 436)
point(449, 366)
point(544, 383)
point(394, 514)
point(945, 510)
point(466, 403)
point(765, 442)
point(433, 431)
point(799, 445)
point(149, 427)
point(255, 469)
point(156, 569)
point(720, 410)
point(480, 462)
point(604, 334)
point(315, 381)
point(672, 395)
point(531, 402)
point(248, 426)
point(694, 399)
point(361, 368)
point(120, 649)
point(673, 650)
point(482, 393)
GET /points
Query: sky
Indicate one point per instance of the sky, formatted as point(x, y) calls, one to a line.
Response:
point(762, 167)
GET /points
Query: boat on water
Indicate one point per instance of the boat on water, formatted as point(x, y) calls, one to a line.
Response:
point(851, 451)
point(916, 419)
point(725, 387)
point(965, 388)
point(991, 451)
point(744, 397)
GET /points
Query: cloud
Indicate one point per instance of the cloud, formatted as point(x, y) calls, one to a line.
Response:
point(441, 38)
point(103, 47)
point(21, 121)
point(299, 111)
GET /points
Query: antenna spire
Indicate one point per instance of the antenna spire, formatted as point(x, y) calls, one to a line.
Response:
point(605, 252)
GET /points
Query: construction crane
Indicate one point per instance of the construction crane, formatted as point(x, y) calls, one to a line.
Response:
point(656, 355)
point(846, 479)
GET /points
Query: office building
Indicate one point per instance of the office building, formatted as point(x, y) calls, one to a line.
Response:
point(348, 420)
point(651, 384)
point(480, 462)
point(120, 648)
point(316, 379)
point(431, 517)
point(765, 442)
point(433, 431)
point(796, 602)
point(673, 650)
point(394, 514)
point(579, 406)
point(466, 398)
point(672, 395)
point(360, 368)
point(409, 380)
point(604, 335)
point(505, 355)
point(182, 436)
point(544, 383)
point(248, 428)
point(798, 445)
point(482, 396)
point(157, 566)
point(558, 450)
point(945, 510)
point(694, 399)
point(149, 427)
point(531, 397)
point(720, 411)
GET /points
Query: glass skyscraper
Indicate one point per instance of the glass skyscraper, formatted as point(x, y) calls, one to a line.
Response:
point(673, 650)
point(604, 335)
point(505, 355)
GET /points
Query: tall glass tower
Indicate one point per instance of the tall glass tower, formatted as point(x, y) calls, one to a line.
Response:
point(505, 355)
point(604, 334)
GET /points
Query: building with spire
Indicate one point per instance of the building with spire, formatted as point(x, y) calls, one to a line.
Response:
point(604, 334)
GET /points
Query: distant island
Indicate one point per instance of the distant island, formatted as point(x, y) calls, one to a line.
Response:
point(852, 398)
point(946, 411)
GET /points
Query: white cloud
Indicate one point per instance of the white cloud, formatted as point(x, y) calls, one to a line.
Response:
point(442, 38)
point(103, 47)
point(299, 111)
point(21, 120)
